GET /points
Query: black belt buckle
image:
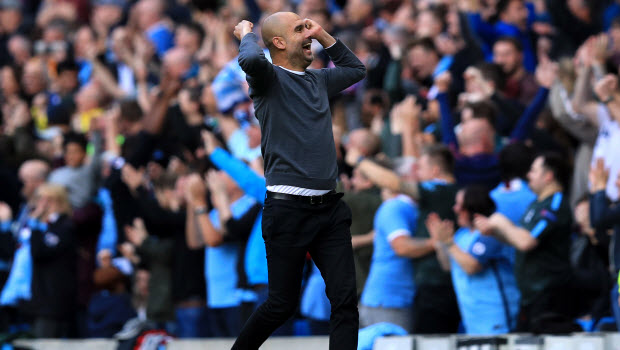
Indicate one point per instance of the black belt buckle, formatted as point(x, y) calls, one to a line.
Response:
point(314, 198)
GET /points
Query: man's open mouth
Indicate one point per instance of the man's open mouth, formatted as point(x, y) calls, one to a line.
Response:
point(307, 46)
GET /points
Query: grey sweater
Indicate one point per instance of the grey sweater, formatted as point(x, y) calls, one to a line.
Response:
point(293, 110)
point(82, 182)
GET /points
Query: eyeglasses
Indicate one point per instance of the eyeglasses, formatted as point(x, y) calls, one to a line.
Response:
point(41, 47)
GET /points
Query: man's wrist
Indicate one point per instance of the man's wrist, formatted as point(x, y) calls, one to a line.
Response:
point(199, 210)
point(245, 33)
point(607, 99)
point(359, 160)
point(447, 244)
point(326, 40)
point(494, 225)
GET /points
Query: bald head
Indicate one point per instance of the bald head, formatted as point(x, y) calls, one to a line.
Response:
point(364, 140)
point(32, 174)
point(277, 25)
point(178, 61)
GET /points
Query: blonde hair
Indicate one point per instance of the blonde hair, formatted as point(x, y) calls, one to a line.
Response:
point(59, 195)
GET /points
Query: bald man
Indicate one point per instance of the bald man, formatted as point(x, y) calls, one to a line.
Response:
point(32, 174)
point(302, 211)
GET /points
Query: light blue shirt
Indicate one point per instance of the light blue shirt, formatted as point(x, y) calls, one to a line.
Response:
point(161, 37)
point(221, 262)
point(314, 301)
point(488, 300)
point(513, 201)
point(255, 255)
point(17, 286)
point(253, 185)
point(390, 281)
point(108, 236)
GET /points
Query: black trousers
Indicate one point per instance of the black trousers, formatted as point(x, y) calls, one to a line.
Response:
point(435, 310)
point(551, 312)
point(290, 230)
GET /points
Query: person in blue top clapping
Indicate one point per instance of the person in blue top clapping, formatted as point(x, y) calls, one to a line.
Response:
point(481, 266)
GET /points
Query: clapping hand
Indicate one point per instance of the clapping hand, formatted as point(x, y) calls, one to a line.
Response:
point(132, 177)
point(408, 111)
point(217, 187)
point(440, 230)
point(5, 212)
point(606, 87)
point(137, 233)
point(483, 224)
point(443, 81)
point(353, 156)
point(195, 191)
point(546, 73)
point(209, 141)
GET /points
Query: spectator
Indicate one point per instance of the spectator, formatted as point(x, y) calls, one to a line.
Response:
point(474, 145)
point(20, 49)
point(390, 288)
point(149, 17)
point(520, 84)
point(106, 14)
point(110, 307)
point(364, 199)
point(79, 176)
point(17, 289)
point(481, 266)
point(590, 259)
point(233, 215)
point(157, 255)
point(513, 196)
point(602, 218)
point(33, 78)
point(53, 250)
point(513, 22)
point(542, 240)
point(578, 126)
point(434, 308)
point(189, 36)
point(606, 117)
point(255, 262)
point(423, 59)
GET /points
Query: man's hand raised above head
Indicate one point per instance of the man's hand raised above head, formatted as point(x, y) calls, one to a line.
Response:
point(244, 27)
point(315, 31)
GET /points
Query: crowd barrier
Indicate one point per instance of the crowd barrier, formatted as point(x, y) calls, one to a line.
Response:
point(589, 341)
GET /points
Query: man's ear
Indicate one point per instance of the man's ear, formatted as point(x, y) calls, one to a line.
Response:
point(279, 42)
point(549, 176)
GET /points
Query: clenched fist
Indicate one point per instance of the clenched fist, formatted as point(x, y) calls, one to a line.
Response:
point(244, 27)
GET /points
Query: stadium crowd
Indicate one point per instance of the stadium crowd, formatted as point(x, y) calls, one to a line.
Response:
point(480, 158)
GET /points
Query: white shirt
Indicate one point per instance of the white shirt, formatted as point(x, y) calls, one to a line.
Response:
point(607, 146)
point(297, 191)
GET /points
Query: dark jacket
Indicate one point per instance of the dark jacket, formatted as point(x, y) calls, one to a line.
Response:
point(54, 280)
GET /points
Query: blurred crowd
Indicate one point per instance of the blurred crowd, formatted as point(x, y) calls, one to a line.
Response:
point(480, 158)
